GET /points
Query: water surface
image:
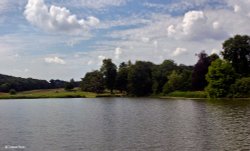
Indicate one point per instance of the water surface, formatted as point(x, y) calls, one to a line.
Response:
point(124, 124)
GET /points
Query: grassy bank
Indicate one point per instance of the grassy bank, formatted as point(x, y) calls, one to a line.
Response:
point(50, 93)
point(186, 94)
point(56, 93)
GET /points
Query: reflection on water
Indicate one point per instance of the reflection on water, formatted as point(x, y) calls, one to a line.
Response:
point(124, 124)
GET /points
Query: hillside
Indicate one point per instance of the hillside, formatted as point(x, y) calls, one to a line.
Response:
point(23, 84)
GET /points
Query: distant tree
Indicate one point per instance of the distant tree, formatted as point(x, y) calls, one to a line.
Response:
point(186, 79)
point(220, 76)
point(70, 85)
point(12, 92)
point(160, 74)
point(237, 52)
point(57, 83)
point(174, 83)
point(108, 69)
point(122, 77)
point(241, 88)
point(93, 82)
point(140, 79)
point(199, 81)
point(5, 87)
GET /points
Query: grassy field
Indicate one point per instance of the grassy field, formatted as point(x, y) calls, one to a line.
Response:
point(76, 93)
point(187, 94)
point(54, 93)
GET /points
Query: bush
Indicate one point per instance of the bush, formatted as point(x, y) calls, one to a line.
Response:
point(241, 88)
point(220, 77)
point(12, 91)
point(174, 82)
point(68, 86)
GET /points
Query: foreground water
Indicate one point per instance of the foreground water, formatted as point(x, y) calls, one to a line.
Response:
point(123, 124)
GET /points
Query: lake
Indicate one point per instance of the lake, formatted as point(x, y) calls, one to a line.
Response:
point(124, 124)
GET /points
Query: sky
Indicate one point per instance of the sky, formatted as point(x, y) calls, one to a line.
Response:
point(62, 39)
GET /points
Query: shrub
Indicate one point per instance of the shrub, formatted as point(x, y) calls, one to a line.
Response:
point(12, 91)
point(241, 88)
point(220, 77)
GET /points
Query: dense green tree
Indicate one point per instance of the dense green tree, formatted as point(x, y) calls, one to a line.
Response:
point(140, 79)
point(237, 52)
point(241, 88)
point(54, 84)
point(109, 71)
point(160, 74)
point(21, 84)
point(186, 79)
point(93, 82)
point(174, 82)
point(220, 76)
point(122, 77)
point(200, 70)
point(70, 85)
point(5, 87)
point(12, 92)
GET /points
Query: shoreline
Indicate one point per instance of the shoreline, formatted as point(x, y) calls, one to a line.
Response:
point(61, 93)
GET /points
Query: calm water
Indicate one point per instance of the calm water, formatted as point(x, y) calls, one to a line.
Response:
point(120, 124)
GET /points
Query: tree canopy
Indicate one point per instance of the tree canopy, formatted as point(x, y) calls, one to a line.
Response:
point(93, 82)
point(237, 52)
point(140, 79)
point(220, 76)
point(122, 77)
point(109, 72)
point(200, 70)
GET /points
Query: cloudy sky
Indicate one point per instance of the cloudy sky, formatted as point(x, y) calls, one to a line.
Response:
point(65, 39)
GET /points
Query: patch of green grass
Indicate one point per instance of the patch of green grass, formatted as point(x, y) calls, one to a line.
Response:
point(56, 93)
point(50, 93)
point(188, 94)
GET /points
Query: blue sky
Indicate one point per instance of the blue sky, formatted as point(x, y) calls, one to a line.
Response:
point(65, 39)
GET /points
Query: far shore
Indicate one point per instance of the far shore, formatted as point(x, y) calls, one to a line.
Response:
point(76, 93)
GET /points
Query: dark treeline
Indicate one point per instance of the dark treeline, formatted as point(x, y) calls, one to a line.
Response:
point(8, 83)
point(226, 77)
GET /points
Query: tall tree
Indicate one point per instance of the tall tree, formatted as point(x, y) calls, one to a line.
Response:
point(174, 83)
point(220, 76)
point(237, 52)
point(93, 82)
point(122, 77)
point(199, 81)
point(70, 85)
point(160, 74)
point(140, 79)
point(108, 69)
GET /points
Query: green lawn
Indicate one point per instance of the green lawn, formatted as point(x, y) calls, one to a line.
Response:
point(50, 93)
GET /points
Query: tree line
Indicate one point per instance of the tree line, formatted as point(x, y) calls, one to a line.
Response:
point(228, 76)
point(8, 83)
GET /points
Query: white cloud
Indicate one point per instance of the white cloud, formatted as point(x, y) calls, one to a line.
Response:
point(240, 7)
point(216, 51)
point(101, 58)
point(57, 19)
point(184, 5)
point(55, 60)
point(145, 39)
point(90, 62)
point(196, 26)
point(96, 4)
point(118, 52)
point(179, 51)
